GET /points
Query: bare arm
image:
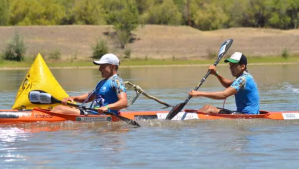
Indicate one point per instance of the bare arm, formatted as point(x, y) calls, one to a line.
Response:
point(220, 95)
point(80, 98)
point(121, 103)
point(225, 82)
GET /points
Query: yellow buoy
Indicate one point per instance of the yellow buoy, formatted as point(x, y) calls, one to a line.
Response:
point(39, 77)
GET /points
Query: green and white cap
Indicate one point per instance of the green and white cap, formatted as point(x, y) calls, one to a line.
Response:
point(237, 57)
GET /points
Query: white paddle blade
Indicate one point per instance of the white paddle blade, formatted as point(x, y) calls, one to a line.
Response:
point(222, 49)
point(225, 46)
point(34, 96)
point(45, 98)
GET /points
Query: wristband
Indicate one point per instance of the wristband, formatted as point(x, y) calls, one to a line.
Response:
point(107, 108)
point(216, 74)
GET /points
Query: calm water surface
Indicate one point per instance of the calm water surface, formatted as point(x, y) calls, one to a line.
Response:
point(229, 144)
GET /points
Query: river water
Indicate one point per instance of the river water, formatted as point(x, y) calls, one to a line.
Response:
point(232, 144)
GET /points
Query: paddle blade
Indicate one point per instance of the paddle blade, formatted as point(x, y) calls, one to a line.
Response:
point(41, 97)
point(175, 111)
point(223, 49)
point(34, 97)
point(129, 121)
point(37, 97)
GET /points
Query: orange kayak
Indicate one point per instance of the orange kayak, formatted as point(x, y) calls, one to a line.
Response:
point(37, 114)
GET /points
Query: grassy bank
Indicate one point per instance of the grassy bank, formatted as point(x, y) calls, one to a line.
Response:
point(152, 42)
point(145, 62)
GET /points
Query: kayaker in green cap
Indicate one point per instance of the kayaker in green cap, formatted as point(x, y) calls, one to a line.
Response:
point(243, 87)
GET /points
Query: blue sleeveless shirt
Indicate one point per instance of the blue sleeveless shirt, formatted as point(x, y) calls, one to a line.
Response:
point(107, 90)
point(247, 99)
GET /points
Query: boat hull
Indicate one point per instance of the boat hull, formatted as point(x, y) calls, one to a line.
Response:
point(35, 115)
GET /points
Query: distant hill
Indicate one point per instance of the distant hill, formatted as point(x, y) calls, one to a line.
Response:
point(153, 41)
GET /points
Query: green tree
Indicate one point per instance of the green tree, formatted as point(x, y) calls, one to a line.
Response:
point(36, 12)
point(49, 13)
point(4, 13)
point(256, 14)
point(234, 10)
point(164, 13)
point(89, 12)
point(293, 11)
point(124, 17)
point(69, 17)
point(248, 13)
point(184, 8)
point(143, 5)
point(18, 11)
point(209, 17)
point(278, 16)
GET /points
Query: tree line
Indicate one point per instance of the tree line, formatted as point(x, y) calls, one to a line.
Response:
point(127, 14)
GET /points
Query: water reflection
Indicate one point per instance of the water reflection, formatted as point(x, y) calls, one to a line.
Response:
point(10, 137)
point(18, 145)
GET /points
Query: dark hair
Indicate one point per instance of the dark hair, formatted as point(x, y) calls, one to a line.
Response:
point(243, 60)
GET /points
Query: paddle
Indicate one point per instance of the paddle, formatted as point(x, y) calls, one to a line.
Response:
point(41, 97)
point(223, 49)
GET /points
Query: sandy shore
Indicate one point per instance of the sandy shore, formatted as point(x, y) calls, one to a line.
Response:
point(153, 41)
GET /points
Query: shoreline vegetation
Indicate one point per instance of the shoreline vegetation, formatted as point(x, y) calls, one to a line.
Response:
point(131, 63)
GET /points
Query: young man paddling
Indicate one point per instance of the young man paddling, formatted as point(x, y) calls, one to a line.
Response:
point(108, 95)
point(244, 88)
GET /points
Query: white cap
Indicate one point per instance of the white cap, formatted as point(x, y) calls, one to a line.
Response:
point(108, 58)
point(237, 57)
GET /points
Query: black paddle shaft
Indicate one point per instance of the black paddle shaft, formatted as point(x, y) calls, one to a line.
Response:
point(204, 79)
point(129, 121)
point(224, 48)
point(179, 107)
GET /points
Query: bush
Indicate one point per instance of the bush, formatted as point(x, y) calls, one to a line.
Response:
point(127, 53)
point(123, 37)
point(285, 53)
point(99, 49)
point(124, 17)
point(55, 55)
point(15, 49)
point(1, 59)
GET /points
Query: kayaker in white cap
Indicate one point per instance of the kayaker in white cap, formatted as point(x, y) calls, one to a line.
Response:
point(243, 87)
point(108, 95)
